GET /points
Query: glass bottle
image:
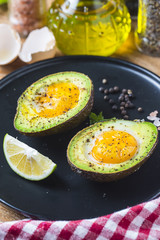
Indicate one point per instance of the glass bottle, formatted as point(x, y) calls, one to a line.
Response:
point(92, 27)
point(27, 15)
point(132, 7)
point(147, 34)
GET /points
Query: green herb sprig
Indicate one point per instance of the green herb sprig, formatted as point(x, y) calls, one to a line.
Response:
point(93, 118)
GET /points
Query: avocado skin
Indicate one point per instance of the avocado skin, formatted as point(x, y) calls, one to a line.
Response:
point(114, 176)
point(110, 177)
point(67, 125)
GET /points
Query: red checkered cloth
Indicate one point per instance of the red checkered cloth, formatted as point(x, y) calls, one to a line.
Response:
point(138, 222)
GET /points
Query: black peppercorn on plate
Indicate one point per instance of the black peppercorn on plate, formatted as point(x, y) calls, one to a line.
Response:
point(132, 93)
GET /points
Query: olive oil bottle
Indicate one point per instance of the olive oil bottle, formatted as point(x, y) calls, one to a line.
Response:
point(89, 27)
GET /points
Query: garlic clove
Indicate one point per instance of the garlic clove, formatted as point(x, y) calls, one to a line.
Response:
point(39, 45)
point(10, 44)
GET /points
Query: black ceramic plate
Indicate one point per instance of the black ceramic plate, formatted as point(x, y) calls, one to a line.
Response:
point(65, 195)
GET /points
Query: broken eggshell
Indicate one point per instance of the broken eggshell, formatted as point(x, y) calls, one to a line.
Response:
point(39, 45)
point(10, 44)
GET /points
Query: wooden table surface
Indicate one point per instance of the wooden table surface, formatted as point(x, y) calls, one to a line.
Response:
point(127, 52)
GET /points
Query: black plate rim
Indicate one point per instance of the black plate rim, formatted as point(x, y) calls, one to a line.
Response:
point(10, 77)
point(21, 211)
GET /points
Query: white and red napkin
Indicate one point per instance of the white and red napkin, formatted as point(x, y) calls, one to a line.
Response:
point(138, 222)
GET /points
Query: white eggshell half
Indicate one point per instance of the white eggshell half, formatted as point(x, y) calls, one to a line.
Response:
point(39, 45)
point(10, 44)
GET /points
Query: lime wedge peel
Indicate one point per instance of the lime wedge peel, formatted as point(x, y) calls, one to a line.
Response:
point(26, 161)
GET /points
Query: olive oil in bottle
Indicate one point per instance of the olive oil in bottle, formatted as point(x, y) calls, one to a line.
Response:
point(91, 27)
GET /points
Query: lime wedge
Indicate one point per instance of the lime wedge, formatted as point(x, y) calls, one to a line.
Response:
point(26, 161)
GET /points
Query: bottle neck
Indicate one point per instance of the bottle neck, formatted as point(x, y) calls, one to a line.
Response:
point(89, 6)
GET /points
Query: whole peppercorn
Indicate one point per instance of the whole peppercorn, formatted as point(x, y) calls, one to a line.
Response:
point(130, 105)
point(104, 81)
point(129, 91)
point(126, 105)
point(106, 91)
point(106, 98)
point(111, 90)
point(116, 89)
point(121, 98)
point(101, 89)
point(125, 117)
point(114, 107)
point(124, 90)
point(126, 97)
point(111, 101)
point(121, 108)
point(140, 109)
point(124, 112)
point(122, 103)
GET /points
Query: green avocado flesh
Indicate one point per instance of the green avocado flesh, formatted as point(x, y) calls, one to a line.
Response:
point(38, 98)
point(79, 148)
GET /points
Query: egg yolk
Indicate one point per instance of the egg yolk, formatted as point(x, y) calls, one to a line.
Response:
point(114, 147)
point(58, 99)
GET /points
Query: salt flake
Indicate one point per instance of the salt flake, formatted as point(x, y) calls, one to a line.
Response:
point(154, 114)
point(151, 118)
point(157, 122)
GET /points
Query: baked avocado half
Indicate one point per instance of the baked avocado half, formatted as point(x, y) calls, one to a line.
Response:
point(53, 104)
point(112, 149)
